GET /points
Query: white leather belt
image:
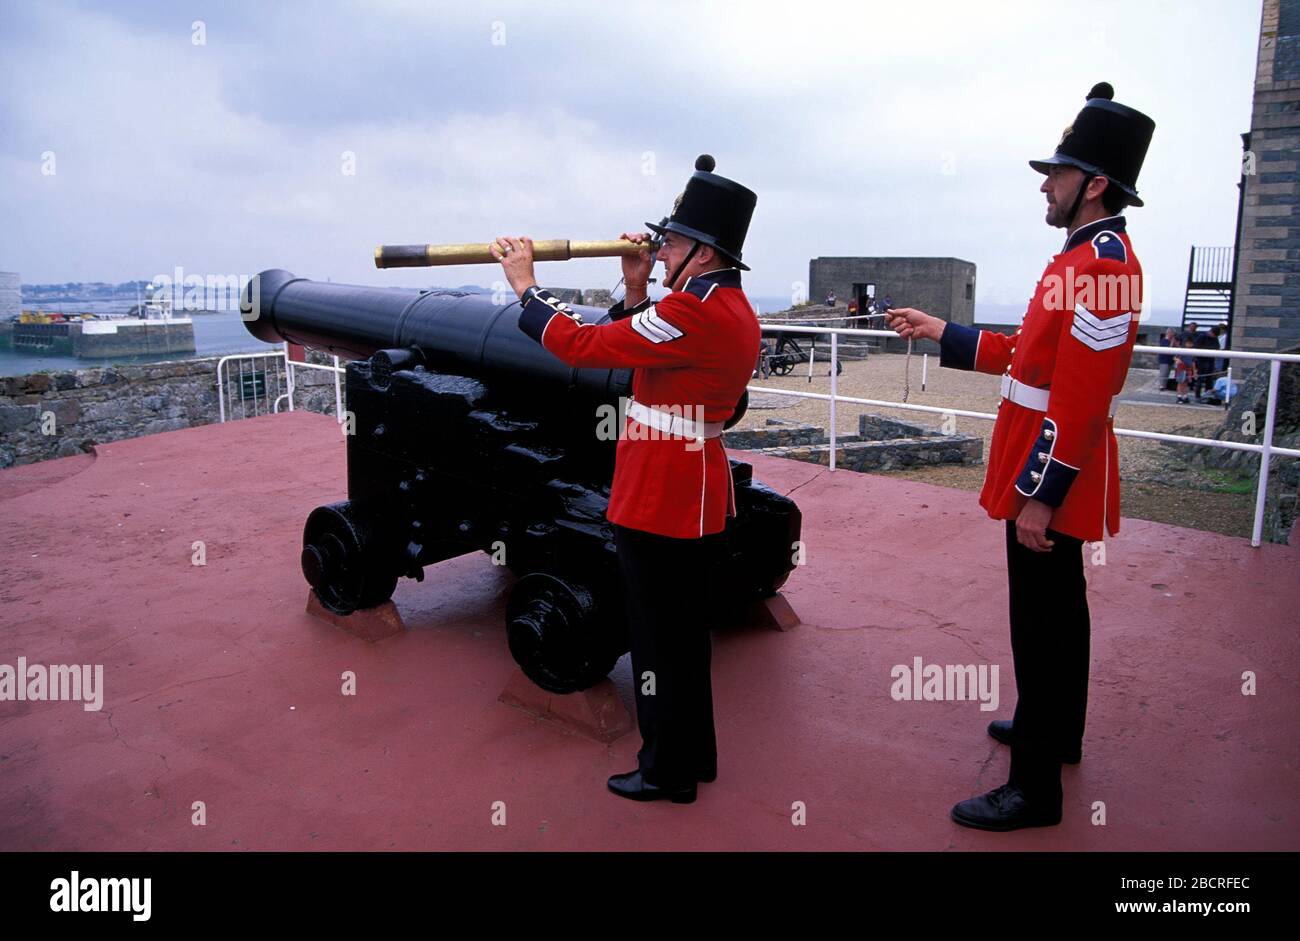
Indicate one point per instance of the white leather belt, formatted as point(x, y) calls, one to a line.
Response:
point(1034, 397)
point(672, 424)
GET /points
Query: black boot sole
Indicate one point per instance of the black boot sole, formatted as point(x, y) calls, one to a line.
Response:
point(677, 796)
point(1004, 827)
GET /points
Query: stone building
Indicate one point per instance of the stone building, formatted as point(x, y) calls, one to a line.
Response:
point(11, 297)
point(1266, 312)
point(944, 287)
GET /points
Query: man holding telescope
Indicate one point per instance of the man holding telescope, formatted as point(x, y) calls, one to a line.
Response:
point(693, 353)
point(1053, 467)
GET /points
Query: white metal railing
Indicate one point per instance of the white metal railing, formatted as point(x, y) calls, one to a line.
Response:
point(289, 365)
point(1265, 450)
point(242, 359)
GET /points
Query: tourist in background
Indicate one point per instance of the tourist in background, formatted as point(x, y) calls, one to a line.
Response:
point(1204, 340)
point(1165, 360)
point(1220, 334)
point(1185, 370)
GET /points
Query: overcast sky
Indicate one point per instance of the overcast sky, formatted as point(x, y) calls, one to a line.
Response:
point(866, 129)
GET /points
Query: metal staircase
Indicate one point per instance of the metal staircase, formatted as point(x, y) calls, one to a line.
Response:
point(1209, 286)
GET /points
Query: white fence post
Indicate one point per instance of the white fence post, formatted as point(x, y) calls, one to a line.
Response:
point(834, 389)
point(1261, 494)
point(338, 394)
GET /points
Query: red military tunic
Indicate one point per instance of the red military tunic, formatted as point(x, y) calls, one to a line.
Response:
point(1076, 341)
point(693, 353)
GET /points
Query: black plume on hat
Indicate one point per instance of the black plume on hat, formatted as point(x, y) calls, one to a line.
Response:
point(1107, 139)
point(712, 210)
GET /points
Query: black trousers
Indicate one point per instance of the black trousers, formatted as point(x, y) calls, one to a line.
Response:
point(1050, 644)
point(670, 611)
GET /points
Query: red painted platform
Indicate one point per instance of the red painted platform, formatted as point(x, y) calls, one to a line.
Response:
point(220, 688)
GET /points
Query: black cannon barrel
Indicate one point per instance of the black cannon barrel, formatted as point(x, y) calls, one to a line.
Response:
point(455, 332)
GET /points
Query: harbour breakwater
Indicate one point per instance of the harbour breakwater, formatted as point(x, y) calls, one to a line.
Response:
point(100, 339)
point(58, 414)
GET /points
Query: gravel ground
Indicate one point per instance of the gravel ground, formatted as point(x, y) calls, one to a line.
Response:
point(1158, 485)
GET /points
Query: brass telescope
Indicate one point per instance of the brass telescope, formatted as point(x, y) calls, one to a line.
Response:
point(480, 253)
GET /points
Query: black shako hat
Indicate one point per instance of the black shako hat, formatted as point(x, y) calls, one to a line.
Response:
point(1107, 139)
point(713, 210)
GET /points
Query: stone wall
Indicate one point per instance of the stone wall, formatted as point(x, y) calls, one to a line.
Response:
point(95, 406)
point(1266, 308)
point(881, 444)
point(894, 454)
point(753, 439)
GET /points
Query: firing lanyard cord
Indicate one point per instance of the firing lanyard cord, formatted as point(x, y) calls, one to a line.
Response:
point(907, 362)
point(907, 371)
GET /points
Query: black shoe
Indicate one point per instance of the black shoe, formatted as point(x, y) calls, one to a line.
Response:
point(1003, 808)
point(632, 786)
point(707, 778)
point(1000, 729)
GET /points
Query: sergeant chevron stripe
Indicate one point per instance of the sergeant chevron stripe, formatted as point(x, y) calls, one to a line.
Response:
point(654, 328)
point(1100, 333)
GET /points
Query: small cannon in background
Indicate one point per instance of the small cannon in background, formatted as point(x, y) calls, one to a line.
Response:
point(471, 437)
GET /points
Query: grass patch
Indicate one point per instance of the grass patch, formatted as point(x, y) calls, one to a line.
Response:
point(1224, 482)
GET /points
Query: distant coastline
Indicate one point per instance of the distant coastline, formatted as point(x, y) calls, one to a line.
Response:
point(216, 333)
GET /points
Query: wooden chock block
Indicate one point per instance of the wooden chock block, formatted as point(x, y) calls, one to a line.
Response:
point(369, 624)
point(774, 612)
point(597, 713)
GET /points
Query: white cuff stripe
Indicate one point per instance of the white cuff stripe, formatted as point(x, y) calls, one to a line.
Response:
point(1098, 345)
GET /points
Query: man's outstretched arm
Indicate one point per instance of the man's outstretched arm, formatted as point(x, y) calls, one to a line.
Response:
point(959, 347)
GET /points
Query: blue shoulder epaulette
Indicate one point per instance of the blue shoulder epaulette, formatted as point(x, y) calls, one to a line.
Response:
point(1110, 246)
point(700, 288)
